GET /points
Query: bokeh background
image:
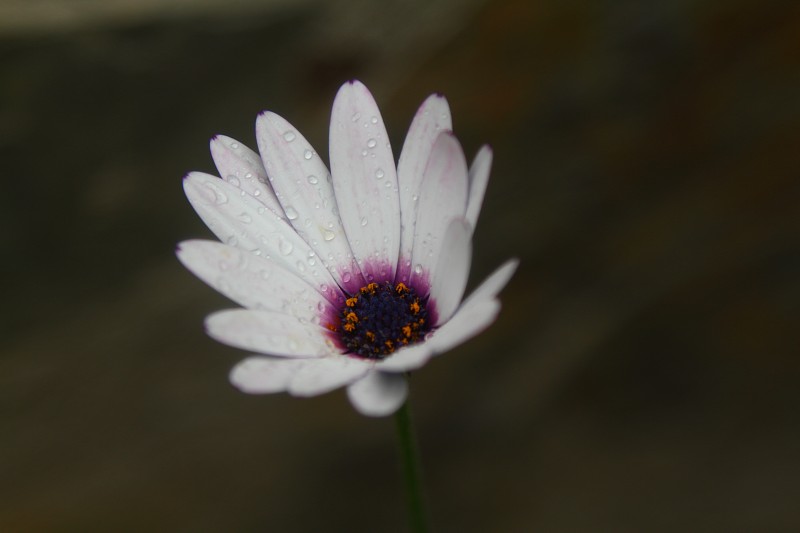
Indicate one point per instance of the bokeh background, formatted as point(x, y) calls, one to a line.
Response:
point(643, 375)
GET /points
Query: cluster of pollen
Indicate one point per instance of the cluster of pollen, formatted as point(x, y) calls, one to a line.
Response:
point(380, 318)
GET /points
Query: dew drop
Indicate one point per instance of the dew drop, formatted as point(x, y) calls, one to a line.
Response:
point(374, 120)
point(346, 277)
point(285, 247)
point(301, 266)
point(245, 217)
point(235, 145)
point(308, 154)
point(372, 143)
point(364, 153)
point(418, 269)
point(313, 180)
point(256, 193)
point(379, 174)
point(291, 213)
point(328, 235)
point(363, 221)
point(233, 180)
point(217, 196)
point(355, 117)
point(289, 136)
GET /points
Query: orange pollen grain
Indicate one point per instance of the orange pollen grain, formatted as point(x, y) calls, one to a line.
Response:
point(349, 327)
point(351, 317)
point(401, 288)
point(351, 302)
point(414, 307)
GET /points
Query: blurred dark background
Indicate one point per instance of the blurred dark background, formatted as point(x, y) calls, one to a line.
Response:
point(643, 375)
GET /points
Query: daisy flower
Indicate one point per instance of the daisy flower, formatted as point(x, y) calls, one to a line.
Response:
point(352, 277)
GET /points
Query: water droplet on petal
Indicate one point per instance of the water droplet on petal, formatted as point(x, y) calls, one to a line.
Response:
point(301, 266)
point(313, 180)
point(289, 136)
point(291, 214)
point(346, 277)
point(328, 235)
point(233, 180)
point(374, 120)
point(379, 174)
point(245, 217)
point(217, 196)
point(285, 247)
point(363, 221)
point(235, 145)
point(355, 117)
point(308, 154)
point(372, 143)
point(418, 269)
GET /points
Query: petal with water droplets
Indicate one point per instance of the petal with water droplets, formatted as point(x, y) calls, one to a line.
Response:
point(268, 332)
point(443, 197)
point(302, 184)
point(365, 181)
point(432, 118)
point(241, 167)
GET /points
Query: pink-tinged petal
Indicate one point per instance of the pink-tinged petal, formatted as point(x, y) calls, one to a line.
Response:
point(303, 186)
point(465, 324)
point(240, 220)
point(442, 198)
point(326, 374)
point(365, 181)
point(269, 332)
point(264, 375)
point(492, 285)
point(253, 282)
point(405, 359)
point(241, 167)
point(449, 276)
point(378, 394)
point(478, 180)
point(432, 118)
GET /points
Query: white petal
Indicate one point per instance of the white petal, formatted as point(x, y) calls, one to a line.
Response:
point(465, 324)
point(432, 117)
point(478, 179)
point(378, 394)
point(405, 359)
point(239, 220)
point(241, 167)
point(253, 282)
point(442, 198)
point(449, 276)
point(365, 181)
point(328, 373)
point(264, 375)
point(492, 285)
point(302, 184)
point(269, 332)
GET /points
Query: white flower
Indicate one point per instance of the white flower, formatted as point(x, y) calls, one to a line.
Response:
point(350, 277)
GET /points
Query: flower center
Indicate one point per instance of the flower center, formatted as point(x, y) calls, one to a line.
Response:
point(379, 319)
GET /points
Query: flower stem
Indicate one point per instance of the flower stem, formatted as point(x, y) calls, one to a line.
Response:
point(412, 470)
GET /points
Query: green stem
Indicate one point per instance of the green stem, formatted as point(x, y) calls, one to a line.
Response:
point(412, 470)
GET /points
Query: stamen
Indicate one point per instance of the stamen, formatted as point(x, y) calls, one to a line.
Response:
point(378, 319)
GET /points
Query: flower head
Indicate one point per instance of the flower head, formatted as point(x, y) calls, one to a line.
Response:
point(351, 277)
